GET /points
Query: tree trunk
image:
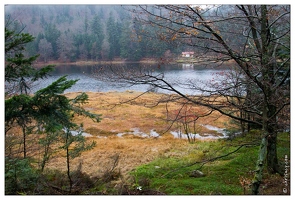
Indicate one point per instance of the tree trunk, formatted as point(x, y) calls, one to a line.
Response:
point(272, 159)
point(268, 152)
point(259, 166)
point(268, 148)
point(24, 142)
point(68, 160)
point(68, 170)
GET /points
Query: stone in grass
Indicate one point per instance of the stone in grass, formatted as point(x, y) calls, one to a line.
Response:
point(196, 174)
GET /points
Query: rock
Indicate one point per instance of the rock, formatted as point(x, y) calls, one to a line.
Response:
point(197, 174)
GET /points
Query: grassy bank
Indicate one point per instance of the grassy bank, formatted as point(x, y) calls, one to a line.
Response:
point(175, 174)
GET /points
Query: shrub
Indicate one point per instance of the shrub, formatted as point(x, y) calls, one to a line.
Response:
point(20, 176)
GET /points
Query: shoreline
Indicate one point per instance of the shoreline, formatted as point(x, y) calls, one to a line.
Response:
point(85, 63)
point(143, 61)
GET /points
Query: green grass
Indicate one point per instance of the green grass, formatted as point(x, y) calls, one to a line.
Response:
point(283, 145)
point(223, 176)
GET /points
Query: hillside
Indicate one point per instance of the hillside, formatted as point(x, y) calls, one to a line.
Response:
point(70, 33)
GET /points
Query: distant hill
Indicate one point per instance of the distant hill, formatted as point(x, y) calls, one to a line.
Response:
point(86, 32)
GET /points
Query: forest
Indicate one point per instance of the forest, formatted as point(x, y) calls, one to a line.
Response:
point(237, 127)
point(69, 33)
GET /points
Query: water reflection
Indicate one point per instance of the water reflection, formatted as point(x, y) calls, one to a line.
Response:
point(187, 66)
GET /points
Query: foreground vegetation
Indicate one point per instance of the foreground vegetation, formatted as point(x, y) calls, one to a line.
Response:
point(171, 170)
point(148, 166)
point(229, 175)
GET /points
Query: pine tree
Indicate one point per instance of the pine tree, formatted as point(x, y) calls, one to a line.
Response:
point(98, 36)
point(18, 75)
point(114, 34)
point(48, 112)
point(52, 34)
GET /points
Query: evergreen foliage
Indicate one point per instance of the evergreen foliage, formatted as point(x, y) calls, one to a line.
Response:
point(20, 176)
point(48, 113)
point(79, 32)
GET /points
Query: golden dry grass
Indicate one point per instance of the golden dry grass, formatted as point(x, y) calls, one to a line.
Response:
point(122, 117)
point(132, 152)
point(140, 113)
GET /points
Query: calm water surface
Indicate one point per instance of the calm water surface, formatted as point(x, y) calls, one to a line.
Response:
point(176, 74)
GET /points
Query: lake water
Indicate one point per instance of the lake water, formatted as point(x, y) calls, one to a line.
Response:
point(93, 77)
point(97, 78)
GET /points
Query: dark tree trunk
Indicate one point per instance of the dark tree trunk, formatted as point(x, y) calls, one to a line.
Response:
point(24, 142)
point(273, 165)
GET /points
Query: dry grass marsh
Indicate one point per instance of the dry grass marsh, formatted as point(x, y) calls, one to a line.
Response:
point(117, 117)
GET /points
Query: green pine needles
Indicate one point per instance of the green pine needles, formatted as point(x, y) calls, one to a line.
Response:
point(47, 115)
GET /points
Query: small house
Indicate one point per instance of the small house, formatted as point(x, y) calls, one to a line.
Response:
point(188, 54)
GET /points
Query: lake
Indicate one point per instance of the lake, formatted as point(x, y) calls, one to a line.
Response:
point(95, 78)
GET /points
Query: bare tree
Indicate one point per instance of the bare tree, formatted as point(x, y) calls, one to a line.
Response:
point(65, 46)
point(255, 41)
point(45, 48)
point(186, 118)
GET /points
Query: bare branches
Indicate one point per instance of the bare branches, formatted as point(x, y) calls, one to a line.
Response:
point(260, 50)
point(250, 37)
